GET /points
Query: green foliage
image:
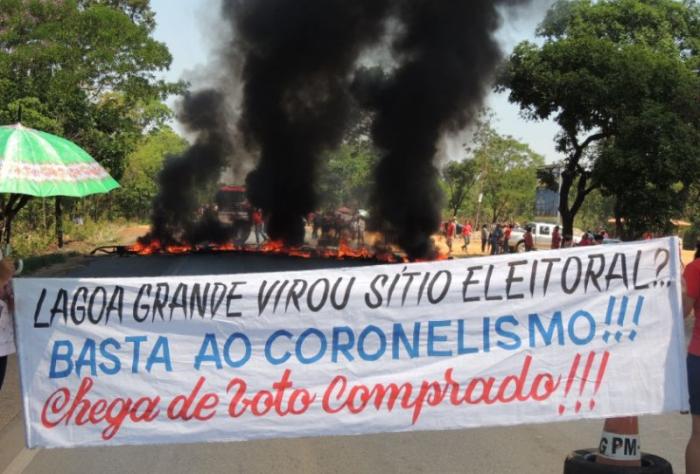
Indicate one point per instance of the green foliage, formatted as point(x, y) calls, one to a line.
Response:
point(507, 175)
point(621, 74)
point(692, 214)
point(458, 177)
point(595, 212)
point(347, 175)
point(85, 70)
point(139, 184)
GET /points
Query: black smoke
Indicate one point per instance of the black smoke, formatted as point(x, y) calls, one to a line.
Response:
point(299, 63)
point(447, 54)
point(298, 59)
point(185, 178)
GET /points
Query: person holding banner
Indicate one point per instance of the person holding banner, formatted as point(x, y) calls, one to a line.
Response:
point(7, 333)
point(691, 302)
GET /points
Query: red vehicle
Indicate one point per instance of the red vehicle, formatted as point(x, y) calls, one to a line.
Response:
point(235, 210)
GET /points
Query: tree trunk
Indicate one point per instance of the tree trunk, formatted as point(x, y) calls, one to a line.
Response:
point(59, 222)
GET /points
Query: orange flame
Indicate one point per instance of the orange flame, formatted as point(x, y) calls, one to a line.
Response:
point(343, 251)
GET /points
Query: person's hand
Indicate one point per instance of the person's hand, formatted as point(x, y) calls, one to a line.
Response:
point(7, 270)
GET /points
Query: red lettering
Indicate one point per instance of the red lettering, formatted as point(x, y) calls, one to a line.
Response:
point(81, 410)
point(264, 401)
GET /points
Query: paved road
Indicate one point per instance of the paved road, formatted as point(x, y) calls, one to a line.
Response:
point(524, 449)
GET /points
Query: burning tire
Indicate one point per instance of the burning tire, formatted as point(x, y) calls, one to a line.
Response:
point(582, 461)
point(241, 232)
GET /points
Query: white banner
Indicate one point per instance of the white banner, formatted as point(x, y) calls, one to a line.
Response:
point(526, 338)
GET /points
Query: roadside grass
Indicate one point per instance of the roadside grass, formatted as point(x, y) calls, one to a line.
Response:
point(38, 248)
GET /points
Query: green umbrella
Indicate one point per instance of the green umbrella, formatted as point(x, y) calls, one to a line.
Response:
point(37, 163)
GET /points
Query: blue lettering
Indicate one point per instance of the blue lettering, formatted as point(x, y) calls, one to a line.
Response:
point(58, 356)
point(400, 336)
point(433, 338)
point(160, 345)
point(461, 349)
point(300, 342)
point(338, 347)
point(209, 343)
point(516, 341)
point(268, 348)
point(486, 334)
point(361, 343)
point(555, 324)
point(105, 353)
point(572, 328)
point(227, 350)
point(137, 340)
point(87, 358)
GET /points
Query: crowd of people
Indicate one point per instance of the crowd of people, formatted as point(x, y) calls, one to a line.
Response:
point(498, 238)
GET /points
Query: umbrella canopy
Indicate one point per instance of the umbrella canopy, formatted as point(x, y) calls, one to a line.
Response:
point(40, 164)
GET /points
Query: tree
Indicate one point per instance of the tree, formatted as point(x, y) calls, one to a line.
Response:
point(459, 177)
point(602, 66)
point(347, 177)
point(507, 174)
point(139, 181)
point(83, 69)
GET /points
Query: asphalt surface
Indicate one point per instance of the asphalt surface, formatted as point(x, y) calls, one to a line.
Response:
point(523, 449)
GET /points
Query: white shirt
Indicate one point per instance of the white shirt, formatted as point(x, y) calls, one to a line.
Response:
point(7, 331)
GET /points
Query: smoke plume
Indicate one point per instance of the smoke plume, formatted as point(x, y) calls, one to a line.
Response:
point(298, 64)
point(447, 53)
point(185, 177)
point(299, 56)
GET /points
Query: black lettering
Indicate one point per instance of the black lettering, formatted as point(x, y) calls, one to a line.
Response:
point(279, 295)
point(488, 284)
point(445, 288)
point(397, 277)
point(37, 311)
point(622, 259)
point(116, 303)
point(60, 306)
point(74, 308)
point(548, 272)
point(101, 291)
point(160, 300)
point(533, 276)
point(179, 300)
point(198, 300)
point(294, 294)
point(147, 289)
point(468, 281)
point(422, 287)
point(513, 279)
point(579, 267)
point(232, 295)
point(373, 289)
point(636, 272)
point(262, 300)
point(592, 276)
point(346, 298)
point(310, 295)
point(410, 276)
point(216, 303)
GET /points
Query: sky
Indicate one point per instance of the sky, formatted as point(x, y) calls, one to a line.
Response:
point(181, 25)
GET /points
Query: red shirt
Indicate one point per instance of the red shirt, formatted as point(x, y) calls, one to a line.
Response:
point(528, 240)
point(467, 229)
point(451, 229)
point(506, 234)
point(257, 217)
point(692, 282)
point(556, 239)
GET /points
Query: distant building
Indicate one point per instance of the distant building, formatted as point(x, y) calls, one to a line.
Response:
point(546, 202)
point(547, 196)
